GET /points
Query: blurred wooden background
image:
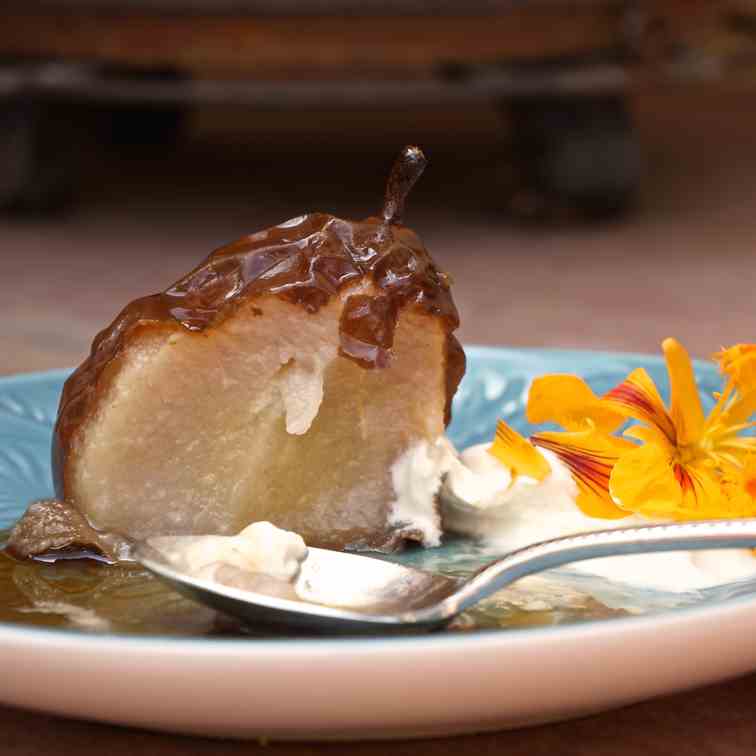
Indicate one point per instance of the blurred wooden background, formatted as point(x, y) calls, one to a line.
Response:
point(683, 264)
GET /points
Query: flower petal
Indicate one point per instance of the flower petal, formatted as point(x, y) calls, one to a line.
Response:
point(517, 453)
point(643, 481)
point(738, 504)
point(749, 476)
point(590, 456)
point(648, 434)
point(652, 482)
point(740, 410)
point(738, 363)
point(718, 497)
point(739, 489)
point(638, 398)
point(687, 412)
point(702, 491)
point(570, 402)
point(724, 400)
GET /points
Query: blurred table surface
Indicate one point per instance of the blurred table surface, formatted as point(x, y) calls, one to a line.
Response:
point(683, 265)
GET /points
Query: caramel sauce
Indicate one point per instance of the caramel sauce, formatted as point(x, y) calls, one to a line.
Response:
point(123, 598)
point(92, 596)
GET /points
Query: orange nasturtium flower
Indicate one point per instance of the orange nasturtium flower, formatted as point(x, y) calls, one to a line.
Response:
point(680, 467)
point(680, 464)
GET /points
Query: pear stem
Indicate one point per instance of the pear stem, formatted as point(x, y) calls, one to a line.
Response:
point(406, 170)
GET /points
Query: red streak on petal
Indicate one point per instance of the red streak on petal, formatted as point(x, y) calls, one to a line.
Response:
point(590, 468)
point(631, 396)
point(627, 393)
point(750, 487)
point(683, 478)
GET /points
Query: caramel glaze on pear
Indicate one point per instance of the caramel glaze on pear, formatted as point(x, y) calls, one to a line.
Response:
point(305, 261)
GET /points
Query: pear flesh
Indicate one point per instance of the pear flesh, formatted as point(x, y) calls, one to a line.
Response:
point(259, 418)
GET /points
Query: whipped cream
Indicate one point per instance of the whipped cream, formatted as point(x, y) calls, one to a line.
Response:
point(480, 498)
point(261, 548)
point(417, 477)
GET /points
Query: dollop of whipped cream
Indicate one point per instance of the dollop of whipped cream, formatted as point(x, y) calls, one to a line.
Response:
point(474, 494)
point(261, 548)
point(417, 477)
point(481, 498)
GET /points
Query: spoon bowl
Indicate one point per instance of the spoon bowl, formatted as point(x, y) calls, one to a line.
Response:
point(339, 592)
point(333, 592)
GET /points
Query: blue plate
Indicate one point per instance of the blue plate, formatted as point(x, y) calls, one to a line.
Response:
point(495, 386)
point(447, 683)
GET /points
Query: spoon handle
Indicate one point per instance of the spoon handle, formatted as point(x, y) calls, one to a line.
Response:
point(644, 539)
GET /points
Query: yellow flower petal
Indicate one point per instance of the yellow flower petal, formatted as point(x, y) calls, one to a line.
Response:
point(749, 476)
point(724, 400)
point(738, 363)
point(687, 412)
point(702, 490)
point(731, 456)
point(652, 482)
point(589, 456)
point(740, 410)
point(739, 505)
point(739, 487)
point(569, 401)
point(517, 453)
point(637, 397)
point(643, 481)
point(648, 434)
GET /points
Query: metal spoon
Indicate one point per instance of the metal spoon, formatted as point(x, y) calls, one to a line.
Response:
point(338, 592)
